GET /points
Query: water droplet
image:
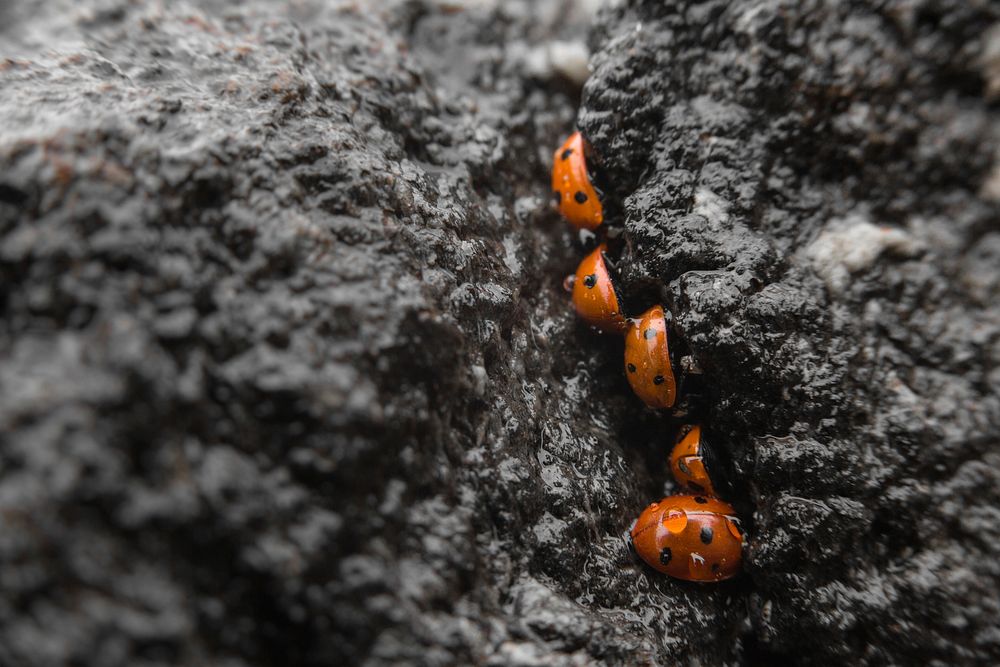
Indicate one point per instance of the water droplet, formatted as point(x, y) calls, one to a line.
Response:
point(676, 520)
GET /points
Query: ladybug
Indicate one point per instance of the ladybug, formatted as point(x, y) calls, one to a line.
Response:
point(647, 360)
point(574, 195)
point(688, 461)
point(695, 538)
point(594, 295)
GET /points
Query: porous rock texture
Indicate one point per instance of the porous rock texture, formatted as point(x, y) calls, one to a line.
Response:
point(288, 376)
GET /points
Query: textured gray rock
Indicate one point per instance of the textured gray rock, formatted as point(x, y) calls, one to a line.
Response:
point(808, 185)
point(287, 374)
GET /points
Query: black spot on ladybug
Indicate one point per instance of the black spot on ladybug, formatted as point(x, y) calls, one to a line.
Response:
point(566, 153)
point(650, 333)
point(557, 197)
point(580, 197)
point(631, 368)
point(665, 556)
point(590, 280)
point(658, 379)
point(706, 535)
point(700, 500)
point(715, 567)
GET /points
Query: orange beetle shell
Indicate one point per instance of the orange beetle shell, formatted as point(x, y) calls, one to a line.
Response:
point(576, 197)
point(594, 294)
point(694, 538)
point(647, 360)
point(688, 464)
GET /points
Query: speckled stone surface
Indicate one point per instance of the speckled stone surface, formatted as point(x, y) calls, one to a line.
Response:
point(288, 375)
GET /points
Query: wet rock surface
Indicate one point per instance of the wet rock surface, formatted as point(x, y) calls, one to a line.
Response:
point(288, 374)
point(809, 186)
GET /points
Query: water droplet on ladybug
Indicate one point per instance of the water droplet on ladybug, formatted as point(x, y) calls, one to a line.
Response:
point(676, 520)
point(568, 282)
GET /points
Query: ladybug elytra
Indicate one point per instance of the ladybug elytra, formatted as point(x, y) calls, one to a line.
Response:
point(594, 294)
point(688, 462)
point(575, 196)
point(647, 360)
point(695, 538)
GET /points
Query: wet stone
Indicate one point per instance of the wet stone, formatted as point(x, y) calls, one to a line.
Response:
point(825, 322)
point(288, 374)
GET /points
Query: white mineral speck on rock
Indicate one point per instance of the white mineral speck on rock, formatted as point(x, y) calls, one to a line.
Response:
point(989, 60)
point(567, 59)
point(710, 205)
point(479, 378)
point(853, 244)
point(990, 187)
point(570, 60)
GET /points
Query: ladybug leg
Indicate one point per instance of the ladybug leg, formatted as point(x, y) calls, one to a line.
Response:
point(587, 236)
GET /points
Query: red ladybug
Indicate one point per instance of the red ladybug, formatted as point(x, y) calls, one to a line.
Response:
point(594, 294)
point(647, 360)
point(687, 462)
point(576, 197)
point(695, 538)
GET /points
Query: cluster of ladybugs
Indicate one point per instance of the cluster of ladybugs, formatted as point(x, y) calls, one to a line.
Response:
point(693, 536)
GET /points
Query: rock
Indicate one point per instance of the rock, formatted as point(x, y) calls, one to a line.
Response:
point(289, 375)
point(755, 146)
